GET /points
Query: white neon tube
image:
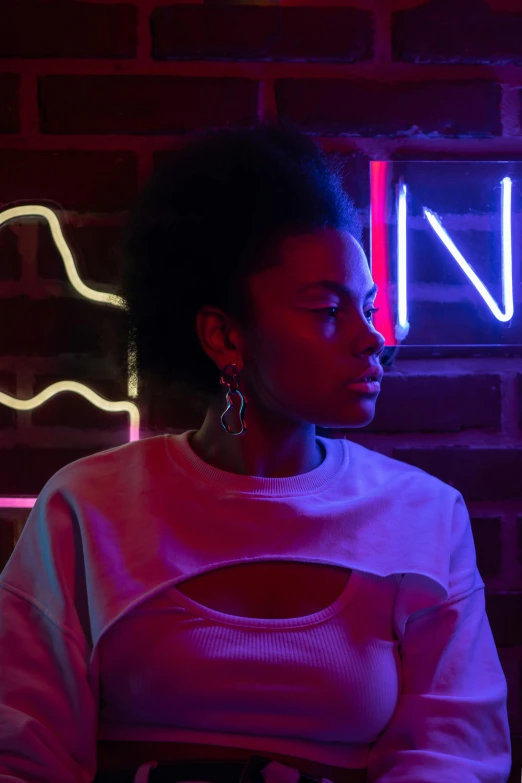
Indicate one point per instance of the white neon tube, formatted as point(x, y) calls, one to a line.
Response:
point(507, 249)
point(507, 267)
point(402, 327)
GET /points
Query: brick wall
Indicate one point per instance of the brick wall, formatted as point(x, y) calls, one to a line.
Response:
point(95, 94)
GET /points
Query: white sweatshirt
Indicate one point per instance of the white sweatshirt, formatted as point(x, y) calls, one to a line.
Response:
point(400, 674)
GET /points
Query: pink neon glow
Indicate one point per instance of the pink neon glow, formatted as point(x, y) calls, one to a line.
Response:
point(17, 502)
point(380, 255)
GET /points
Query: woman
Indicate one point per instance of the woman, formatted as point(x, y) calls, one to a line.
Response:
point(250, 601)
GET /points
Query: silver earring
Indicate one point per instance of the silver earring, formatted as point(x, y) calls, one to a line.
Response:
point(233, 388)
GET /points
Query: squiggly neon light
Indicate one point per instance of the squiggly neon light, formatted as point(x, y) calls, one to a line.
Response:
point(35, 210)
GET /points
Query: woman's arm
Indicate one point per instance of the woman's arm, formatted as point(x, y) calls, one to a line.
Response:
point(451, 721)
point(48, 690)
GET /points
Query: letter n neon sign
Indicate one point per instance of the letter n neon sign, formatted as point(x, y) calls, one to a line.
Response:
point(391, 206)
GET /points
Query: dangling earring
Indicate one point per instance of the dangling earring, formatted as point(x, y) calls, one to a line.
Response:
point(233, 388)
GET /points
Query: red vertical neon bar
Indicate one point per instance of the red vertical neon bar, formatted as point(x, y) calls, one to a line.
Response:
point(380, 255)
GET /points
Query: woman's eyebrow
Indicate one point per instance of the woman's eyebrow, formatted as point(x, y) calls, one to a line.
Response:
point(338, 288)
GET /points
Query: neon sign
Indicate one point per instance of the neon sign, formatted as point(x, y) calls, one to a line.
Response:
point(89, 394)
point(507, 260)
point(406, 203)
point(394, 221)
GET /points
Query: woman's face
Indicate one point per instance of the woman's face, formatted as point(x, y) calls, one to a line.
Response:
point(300, 354)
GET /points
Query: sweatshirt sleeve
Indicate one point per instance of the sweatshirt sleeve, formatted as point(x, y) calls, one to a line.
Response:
point(451, 720)
point(48, 691)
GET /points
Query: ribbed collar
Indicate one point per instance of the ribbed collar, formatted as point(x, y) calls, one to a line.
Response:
point(332, 468)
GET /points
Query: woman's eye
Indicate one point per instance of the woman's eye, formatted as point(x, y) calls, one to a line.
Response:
point(327, 310)
point(371, 311)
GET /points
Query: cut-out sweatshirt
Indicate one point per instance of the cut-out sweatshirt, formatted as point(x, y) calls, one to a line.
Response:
point(399, 675)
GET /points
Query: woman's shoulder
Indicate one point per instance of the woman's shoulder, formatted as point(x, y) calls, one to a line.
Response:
point(381, 468)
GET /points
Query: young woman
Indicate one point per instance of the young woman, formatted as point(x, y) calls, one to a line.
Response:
point(249, 600)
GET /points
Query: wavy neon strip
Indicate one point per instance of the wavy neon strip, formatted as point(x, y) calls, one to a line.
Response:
point(35, 210)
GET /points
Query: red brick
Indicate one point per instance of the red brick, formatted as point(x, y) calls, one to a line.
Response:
point(504, 5)
point(94, 251)
point(437, 403)
point(516, 739)
point(519, 541)
point(8, 386)
point(54, 326)
point(504, 611)
point(9, 105)
point(488, 545)
point(478, 473)
point(11, 265)
point(443, 31)
point(25, 470)
point(144, 104)
point(75, 180)
point(367, 108)
point(33, 28)
point(6, 540)
point(261, 33)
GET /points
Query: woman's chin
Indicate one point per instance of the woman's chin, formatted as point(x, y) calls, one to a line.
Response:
point(358, 419)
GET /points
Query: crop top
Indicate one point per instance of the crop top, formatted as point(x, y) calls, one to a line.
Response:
point(400, 675)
